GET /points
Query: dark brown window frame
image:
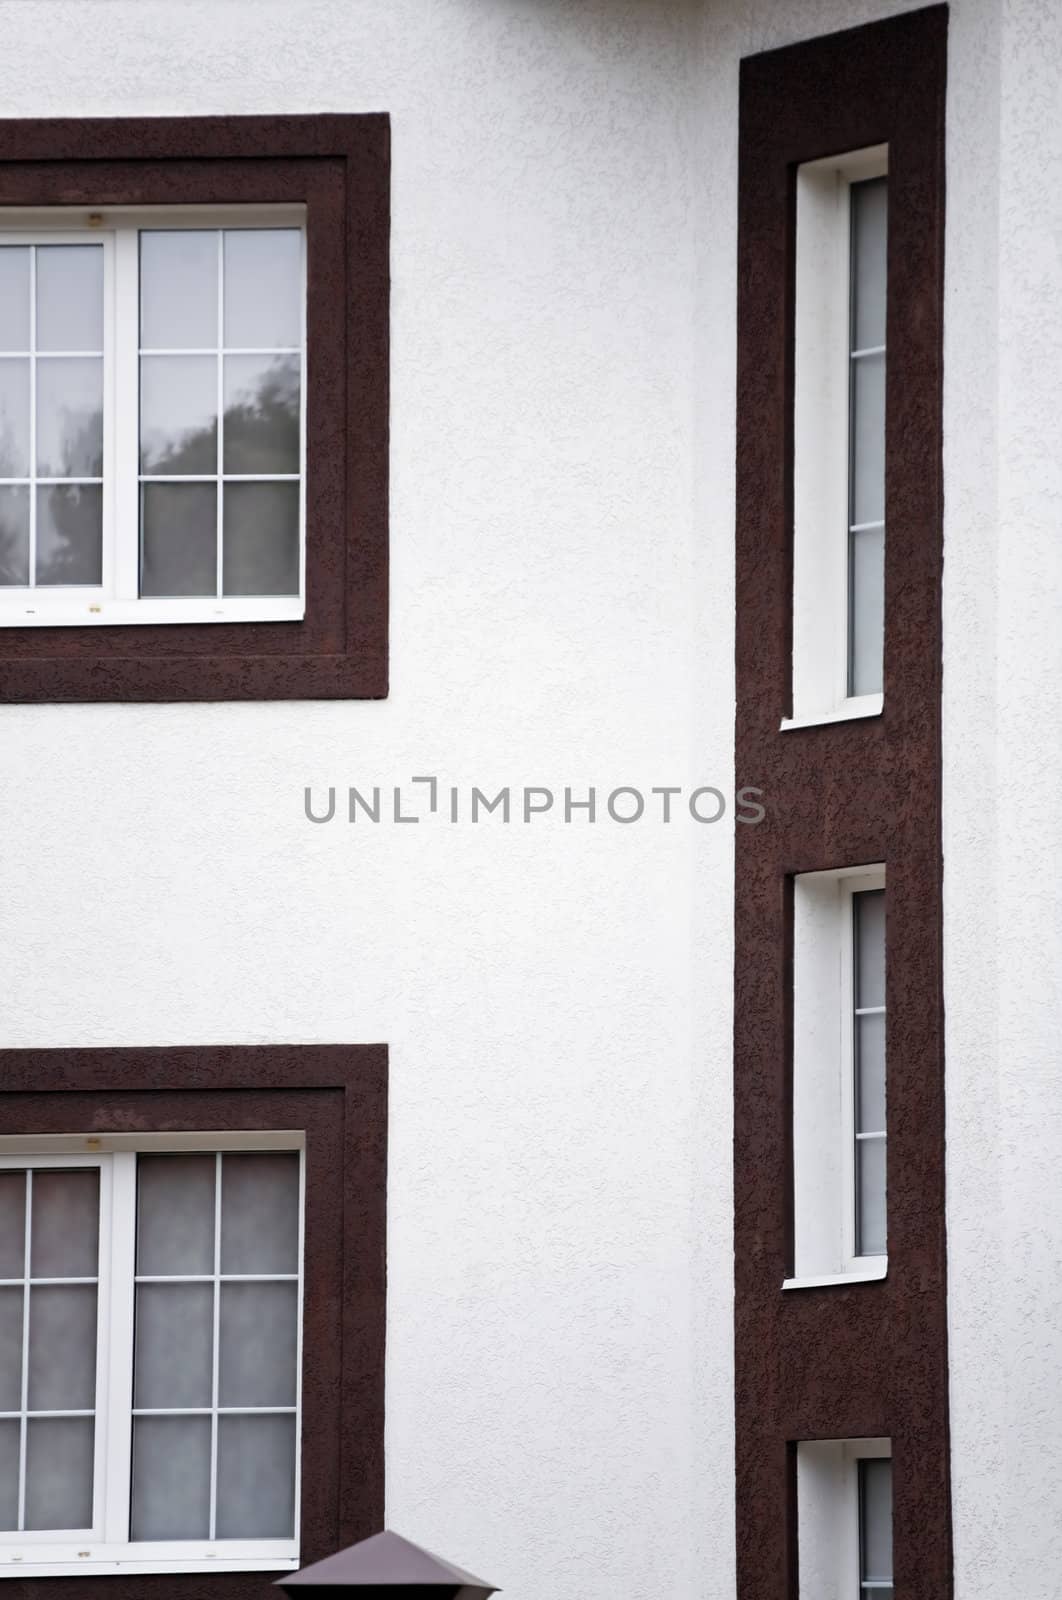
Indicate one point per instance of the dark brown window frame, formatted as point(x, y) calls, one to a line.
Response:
point(863, 1360)
point(339, 168)
point(337, 1096)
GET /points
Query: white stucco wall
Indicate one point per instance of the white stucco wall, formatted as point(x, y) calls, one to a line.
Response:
point(557, 999)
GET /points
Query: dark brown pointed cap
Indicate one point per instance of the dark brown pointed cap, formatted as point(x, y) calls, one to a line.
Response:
point(387, 1561)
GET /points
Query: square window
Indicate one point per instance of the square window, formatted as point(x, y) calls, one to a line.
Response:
point(157, 1289)
point(186, 511)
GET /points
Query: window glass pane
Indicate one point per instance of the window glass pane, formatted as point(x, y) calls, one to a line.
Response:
point(65, 1223)
point(179, 539)
point(59, 1472)
point(876, 1519)
point(261, 414)
point(870, 1179)
point(70, 534)
point(261, 540)
point(869, 253)
point(263, 288)
point(9, 1452)
point(868, 439)
point(62, 1348)
point(867, 668)
point(14, 542)
point(14, 418)
point(175, 1214)
point(260, 1212)
point(174, 1360)
point(870, 1074)
point(70, 418)
point(171, 1478)
point(178, 289)
point(179, 415)
point(256, 1477)
point(14, 297)
point(70, 297)
point(868, 906)
point(11, 1349)
point(12, 1224)
point(258, 1344)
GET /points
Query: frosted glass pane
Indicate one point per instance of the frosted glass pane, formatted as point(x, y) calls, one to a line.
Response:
point(867, 621)
point(171, 1478)
point(876, 1519)
point(59, 1472)
point(258, 1344)
point(175, 1214)
point(869, 230)
point(10, 1349)
point(12, 1223)
point(70, 534)
point(15, 297)
point(261, 540)
point(9, 1448)
point(261, 414)
point(868, 439)
point(869, 908)
point(14, 418)
point(70, 418)
point(870, 1055)
point(66, 1209)
point(260, 1212)
point(70, 297)
point(179, 415)
point(174, 1359)
point(263, 288)
point(62, 1349)
point(870, 1177)
point(179, 532)
point(14, 537)
point(256, 1477)
point(178, 290)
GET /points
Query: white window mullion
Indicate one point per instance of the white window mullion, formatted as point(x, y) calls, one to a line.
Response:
point(125, 461)
point(220, 554)
point(33, 425)
point(24, 1395)
point(216, 1352)
point(115, 1422)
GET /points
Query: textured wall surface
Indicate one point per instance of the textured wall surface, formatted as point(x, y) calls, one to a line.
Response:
point(557, 999)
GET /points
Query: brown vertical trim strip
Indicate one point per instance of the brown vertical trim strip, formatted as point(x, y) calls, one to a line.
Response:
point(868, 1359)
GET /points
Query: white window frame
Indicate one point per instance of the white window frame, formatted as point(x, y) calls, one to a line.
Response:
point(105, 1547)
point(117, 599)
point(824, 1169)
point(828, 1532)
point(822, 360)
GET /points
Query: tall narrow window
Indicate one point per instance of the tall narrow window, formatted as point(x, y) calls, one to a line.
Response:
point(866, 432)
point(875, 1528)
point(868, 1053)
point(839, 437)
point(839, 1075)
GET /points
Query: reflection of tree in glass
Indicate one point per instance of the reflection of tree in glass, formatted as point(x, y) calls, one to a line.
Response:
point(14, 537)
point(81, 445)
point(262, 423)
point(69, 534)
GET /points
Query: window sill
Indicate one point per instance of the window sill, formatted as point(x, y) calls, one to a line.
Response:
point(88, 613)
point(91, 1569)
point(875, 1269)
point(853, 710)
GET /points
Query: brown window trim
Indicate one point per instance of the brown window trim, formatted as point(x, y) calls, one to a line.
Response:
point(339, 168)
point(337, 1095)
point(865, 1360)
